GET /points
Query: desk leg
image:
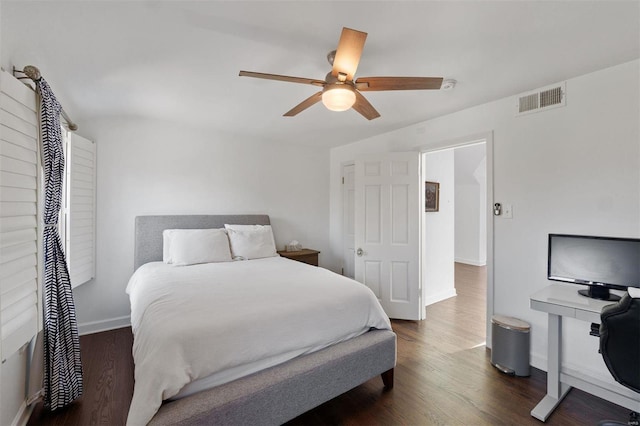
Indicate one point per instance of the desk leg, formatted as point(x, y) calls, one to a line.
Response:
point(556, 390)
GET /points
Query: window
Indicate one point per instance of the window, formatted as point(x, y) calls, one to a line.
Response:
point(77, 219)
point(20, 230)
point(21, 217)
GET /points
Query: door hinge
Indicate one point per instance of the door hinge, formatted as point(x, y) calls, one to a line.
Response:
point(343, 180)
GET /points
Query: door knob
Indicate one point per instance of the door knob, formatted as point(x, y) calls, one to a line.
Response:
point(359, 252)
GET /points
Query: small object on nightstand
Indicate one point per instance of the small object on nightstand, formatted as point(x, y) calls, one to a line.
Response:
point(304, 255)
point(293, 246)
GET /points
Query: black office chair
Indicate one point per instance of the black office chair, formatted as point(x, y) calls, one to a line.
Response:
point(620, 346)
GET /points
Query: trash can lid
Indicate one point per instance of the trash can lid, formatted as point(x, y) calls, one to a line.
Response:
point(510, 322)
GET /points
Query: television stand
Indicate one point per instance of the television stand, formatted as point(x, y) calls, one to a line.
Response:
point(600, 293)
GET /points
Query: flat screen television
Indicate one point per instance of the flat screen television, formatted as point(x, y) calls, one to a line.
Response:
point(602, 263)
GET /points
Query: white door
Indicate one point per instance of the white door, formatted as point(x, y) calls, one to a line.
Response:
point(348, 223)
point(387, 231)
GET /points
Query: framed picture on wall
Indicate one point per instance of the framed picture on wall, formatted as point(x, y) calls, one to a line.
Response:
point(431, 196)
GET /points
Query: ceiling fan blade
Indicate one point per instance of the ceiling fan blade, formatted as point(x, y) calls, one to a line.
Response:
point(282, 78)
point(348, 52)
point(363, 106)
point(370, 84)
point(310, 101)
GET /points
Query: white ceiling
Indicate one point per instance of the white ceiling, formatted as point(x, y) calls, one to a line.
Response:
point(179, 61)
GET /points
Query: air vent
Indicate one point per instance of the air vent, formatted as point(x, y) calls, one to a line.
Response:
point(541, 99)
point(529, 102)
point(551, 97)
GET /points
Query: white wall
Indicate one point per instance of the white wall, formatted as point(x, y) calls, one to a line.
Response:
point(483, 211)
point(439, 229)
point(574, 169)
point(13, 387)
point(147, 167)
point(467, 220)
point(471, 211)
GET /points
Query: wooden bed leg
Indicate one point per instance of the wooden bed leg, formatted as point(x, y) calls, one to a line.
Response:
point(387, 379)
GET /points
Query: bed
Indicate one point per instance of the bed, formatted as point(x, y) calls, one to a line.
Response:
point(255, 391)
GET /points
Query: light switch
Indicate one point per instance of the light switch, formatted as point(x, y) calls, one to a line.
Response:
point(507, 211)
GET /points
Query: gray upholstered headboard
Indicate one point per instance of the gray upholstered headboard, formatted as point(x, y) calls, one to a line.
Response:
point(148, 240)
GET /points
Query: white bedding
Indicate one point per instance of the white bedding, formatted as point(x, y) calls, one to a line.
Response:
point(226, 320)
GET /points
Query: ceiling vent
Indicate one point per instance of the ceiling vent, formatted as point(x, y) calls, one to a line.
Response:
point(542, 99)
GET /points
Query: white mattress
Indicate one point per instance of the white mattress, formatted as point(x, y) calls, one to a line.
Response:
point(210, 324)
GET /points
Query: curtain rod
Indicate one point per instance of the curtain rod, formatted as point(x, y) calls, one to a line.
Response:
point(33, 73)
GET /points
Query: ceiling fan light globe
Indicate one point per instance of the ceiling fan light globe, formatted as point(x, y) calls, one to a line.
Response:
point(338, 98)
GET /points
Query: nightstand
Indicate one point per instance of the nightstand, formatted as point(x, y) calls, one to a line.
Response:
point(305, 256)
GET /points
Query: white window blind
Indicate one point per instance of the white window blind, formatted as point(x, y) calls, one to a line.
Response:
point(19, 218)
point(80, 208)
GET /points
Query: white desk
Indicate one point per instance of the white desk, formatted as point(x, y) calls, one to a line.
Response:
point(559, 301)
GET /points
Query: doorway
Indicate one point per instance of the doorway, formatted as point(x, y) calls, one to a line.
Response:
point(456, 237)
point(348, 222)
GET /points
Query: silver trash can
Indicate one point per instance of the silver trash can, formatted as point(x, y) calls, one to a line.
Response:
point(510, 345)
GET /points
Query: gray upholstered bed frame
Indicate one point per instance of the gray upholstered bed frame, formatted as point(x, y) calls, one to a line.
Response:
point(280, 393)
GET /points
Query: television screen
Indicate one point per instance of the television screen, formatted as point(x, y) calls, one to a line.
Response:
point(594, 261)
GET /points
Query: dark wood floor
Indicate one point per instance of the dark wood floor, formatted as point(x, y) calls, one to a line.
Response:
point(443, 377)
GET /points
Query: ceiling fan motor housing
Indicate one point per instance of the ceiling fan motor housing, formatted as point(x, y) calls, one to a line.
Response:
point(331, 56)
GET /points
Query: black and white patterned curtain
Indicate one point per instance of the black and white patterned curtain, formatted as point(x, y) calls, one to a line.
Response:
point(62, 365)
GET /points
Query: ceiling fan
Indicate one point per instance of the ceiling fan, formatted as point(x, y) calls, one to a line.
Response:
point(339, 89)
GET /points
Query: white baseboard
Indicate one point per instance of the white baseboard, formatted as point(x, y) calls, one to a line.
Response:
point(23, 415)
point(104, 325)
point(438, 297)
point(538, 361)
point(473, 262)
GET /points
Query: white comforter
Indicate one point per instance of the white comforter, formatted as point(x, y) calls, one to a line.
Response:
point(234, 318)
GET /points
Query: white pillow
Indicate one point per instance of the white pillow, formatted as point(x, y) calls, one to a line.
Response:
point(191, 246)
point(251, 241)
point(167, 237)
point(166, 245)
